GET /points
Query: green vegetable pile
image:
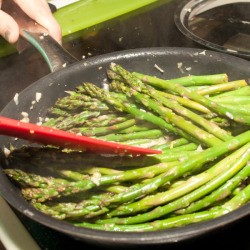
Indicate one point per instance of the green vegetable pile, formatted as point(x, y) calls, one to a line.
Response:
point(201, 124)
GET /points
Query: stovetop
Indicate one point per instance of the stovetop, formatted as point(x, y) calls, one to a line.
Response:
point(150, 26)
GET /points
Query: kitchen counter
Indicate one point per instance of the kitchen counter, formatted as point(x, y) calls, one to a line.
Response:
point(151, 26)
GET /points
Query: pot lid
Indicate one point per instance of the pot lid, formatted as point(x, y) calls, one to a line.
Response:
point(222, 25)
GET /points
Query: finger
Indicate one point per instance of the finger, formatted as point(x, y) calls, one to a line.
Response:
point(39, 11)
point(8, 28)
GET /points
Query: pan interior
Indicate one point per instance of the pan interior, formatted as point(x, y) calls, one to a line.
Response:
point(53, 86)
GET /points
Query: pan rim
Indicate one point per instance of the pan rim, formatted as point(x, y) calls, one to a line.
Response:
point(172, 235)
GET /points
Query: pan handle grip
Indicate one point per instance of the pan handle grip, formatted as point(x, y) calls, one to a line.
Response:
point(53, 53)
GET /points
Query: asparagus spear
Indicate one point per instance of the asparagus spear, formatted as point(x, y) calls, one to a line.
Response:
point(216, 175)
point(238, 92)
point(193, 163)
point(237, 201)
point(241, 109)
point(190, 80)
point(57, 159)
point(71, 121)
point(138, 128)
point(65, 210)
point(74, 95)
point(239, 100)
point(33, 180)
point(67, 104)
point(173, 143)
point(222, 192)
point(67, 188)
point(182, 91)
point(185, 102)
point(166, 113)
point(147, 143)
point(224, 87)
point(130, 107)
point(151, 134)
point(97, 131)
point(105, 120)
point(208, 125)
point(58, 112)
point(196, 80)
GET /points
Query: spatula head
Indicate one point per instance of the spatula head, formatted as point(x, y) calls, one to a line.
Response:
point(49, 136)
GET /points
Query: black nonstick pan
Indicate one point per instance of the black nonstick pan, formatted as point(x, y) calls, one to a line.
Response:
point(175, 62)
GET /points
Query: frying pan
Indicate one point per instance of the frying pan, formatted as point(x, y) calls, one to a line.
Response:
point(145, 60)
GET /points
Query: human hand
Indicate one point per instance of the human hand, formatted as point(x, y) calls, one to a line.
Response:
point(37, 10)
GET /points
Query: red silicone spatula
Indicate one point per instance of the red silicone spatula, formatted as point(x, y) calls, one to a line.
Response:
point(50, 136)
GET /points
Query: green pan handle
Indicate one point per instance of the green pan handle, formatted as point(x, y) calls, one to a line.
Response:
point(53, 53)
